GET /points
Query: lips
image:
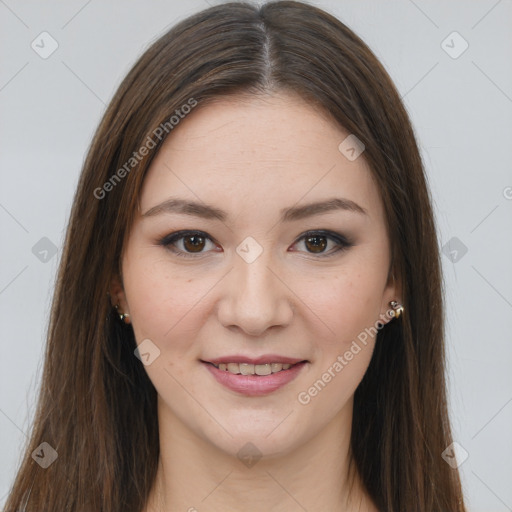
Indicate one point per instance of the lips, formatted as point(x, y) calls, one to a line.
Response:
point(254, 376)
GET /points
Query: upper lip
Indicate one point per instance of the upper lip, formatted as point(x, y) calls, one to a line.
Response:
point(266, 358)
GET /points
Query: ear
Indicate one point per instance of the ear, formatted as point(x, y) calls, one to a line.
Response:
point(117, 295)
point(392, 291)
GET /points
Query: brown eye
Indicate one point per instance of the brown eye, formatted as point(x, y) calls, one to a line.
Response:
point(323, 243)
point(188, 243)
point(193, 243)
point(316, 244)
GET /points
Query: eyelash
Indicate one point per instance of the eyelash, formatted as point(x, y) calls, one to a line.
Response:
point(168, 241)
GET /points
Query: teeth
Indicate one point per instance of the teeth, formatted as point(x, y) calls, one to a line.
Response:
point(246, 369)
point(262, 369)
point(233, 368)
point(252, 369)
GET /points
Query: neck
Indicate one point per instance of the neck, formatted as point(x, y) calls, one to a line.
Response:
point(196, 476)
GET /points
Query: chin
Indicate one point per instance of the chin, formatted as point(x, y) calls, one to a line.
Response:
point(245, 439)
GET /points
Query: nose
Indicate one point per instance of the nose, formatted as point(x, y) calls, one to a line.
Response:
point(255, 297)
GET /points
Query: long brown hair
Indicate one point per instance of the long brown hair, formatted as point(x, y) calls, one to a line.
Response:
point(97, 407)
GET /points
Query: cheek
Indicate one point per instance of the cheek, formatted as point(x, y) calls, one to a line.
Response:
point(164, 306)
point(349, 306)
point(346, 302)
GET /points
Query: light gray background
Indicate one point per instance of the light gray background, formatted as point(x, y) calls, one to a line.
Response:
point(461, 109)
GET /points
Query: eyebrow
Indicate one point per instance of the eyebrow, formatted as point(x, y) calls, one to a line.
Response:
point(205, 211)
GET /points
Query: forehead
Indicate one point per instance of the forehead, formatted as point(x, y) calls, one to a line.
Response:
point(246, 151)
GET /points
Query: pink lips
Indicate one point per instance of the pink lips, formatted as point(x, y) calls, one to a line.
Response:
point(255, 385)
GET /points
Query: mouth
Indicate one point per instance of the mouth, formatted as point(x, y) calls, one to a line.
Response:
point(255, 377)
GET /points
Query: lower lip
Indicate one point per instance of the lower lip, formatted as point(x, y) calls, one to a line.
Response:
point(255, 385)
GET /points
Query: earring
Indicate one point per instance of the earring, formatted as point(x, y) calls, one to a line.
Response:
point(398, 309)
point(124, 317)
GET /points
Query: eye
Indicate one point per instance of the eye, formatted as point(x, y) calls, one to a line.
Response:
point(190, 243)
point(186, 243)
point(317, 241)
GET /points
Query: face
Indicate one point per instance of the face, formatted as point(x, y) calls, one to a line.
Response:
point(254, 279)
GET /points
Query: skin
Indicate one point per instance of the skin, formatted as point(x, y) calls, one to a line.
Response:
point(252, 156)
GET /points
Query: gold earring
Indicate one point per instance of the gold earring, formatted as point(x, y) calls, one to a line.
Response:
point(398, 309)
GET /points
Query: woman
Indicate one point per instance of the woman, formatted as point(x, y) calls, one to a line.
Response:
point(249, 313)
